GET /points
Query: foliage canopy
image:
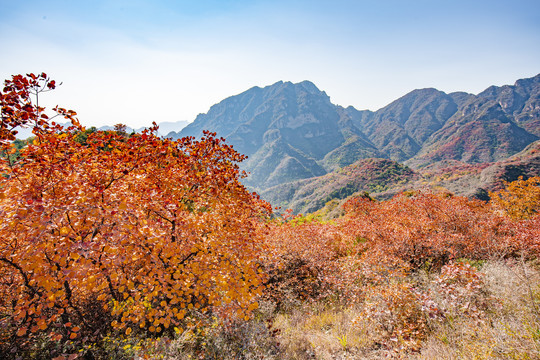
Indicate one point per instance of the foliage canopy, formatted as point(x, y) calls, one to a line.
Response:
point(137, 232)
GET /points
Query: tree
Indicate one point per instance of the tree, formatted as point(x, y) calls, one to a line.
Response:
point(19, 108)
point(137, 232)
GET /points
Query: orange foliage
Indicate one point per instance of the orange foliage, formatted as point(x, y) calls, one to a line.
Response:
point(429, 229)
point(141, 232)
point(18, 108)
point(520, 199)
point(367, 256)
point(378, 242)
point(300, 261)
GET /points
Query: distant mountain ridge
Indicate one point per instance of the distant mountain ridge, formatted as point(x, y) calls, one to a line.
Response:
point(165, 128)
point(292, 131)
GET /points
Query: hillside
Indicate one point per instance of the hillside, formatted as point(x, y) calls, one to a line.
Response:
point(367, 175)
point(480, 132)
point(400, 129)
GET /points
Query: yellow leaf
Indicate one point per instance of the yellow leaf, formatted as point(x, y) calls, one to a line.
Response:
point(253, 306)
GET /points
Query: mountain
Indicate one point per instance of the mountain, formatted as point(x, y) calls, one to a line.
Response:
point(288, 131)
point(481, 131)
point(298, 143)
point(428, 125)
point(520, 102)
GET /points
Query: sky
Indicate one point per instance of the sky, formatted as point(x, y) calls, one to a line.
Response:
point(134, 62)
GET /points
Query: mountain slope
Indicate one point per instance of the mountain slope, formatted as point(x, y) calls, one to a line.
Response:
point(520, 101)
point(480, 132)
point(400, 129)
point(383, 178)
point(475, 180)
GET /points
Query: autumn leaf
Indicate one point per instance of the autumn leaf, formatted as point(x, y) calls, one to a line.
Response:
point(22, 331)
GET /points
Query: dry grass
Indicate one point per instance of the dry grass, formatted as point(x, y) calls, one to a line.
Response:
point(510, 330)
point(321, 333)
point(507, 327)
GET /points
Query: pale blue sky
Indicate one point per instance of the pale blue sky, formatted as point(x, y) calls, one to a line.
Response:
point(138, 61)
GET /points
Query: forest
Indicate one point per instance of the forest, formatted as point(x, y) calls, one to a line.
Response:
point(135, 246)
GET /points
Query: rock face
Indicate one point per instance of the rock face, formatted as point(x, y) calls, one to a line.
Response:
point(520, 102)
point(292, 131)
